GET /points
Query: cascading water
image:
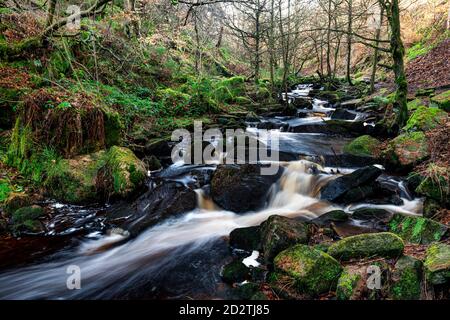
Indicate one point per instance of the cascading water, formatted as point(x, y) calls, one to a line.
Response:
point(109, 271)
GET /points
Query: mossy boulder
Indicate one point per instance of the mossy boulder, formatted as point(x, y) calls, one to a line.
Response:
point(349, 284)
point(279, 233)
point(16, 200)
point(311, 271)
point(434, 184)
point(73, 180)
point(248, 238)
point(383, 244)
point(406, 150)
point(236, 272)
point(425, 118)
point(249, 291)
point(417, 229)
point(121, 175)
point(437, 264)
point(442, 100)
point(26, 219)
point(406, 279)
point(364, 146)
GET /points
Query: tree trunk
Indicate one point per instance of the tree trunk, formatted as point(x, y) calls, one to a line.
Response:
point(349, 40)
point(398, 52)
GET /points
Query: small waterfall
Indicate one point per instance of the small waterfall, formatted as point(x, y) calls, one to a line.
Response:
point(204, 202)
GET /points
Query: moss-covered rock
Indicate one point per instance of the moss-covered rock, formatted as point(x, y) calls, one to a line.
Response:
point(16, 200)
point(414, 104)
point(312, 271)
point(407, 149)
point(383, 244)
point(435, 184)
point(235, 272)
point(349, 283)
point(364, 146)
point(425, 92)
point(431, 208)
point(442, 100)
point(417, 229)
point(122, 174)
point(437, 264)
point(406, 279)
point(279, 233)
point(249, 291)
point(425, 118)
point(73, 180)
point(26, 219)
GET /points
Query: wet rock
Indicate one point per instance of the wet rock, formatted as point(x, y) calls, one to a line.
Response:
point(383, 244)
point(247, 239)
point(249, 291)
point(417, 229)
point(347, 187)
point(376, 218)
point(26, 220)
point(352, 104)
point(279, 233)
point(406, 279)
point(310, 271)
point(152, 163)
point(364, 146)
point(165, 201)
point(349, 228)
point(437, 264)
point(343, 114)
point(302, 103)
point(331, 216)
point(336, 127)
point(236, 272)
point(241, 188)
point(16, 201)
point(158, 147)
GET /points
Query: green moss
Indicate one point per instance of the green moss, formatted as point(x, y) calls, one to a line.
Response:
point(406, 279)
point(21, 145)
point(312, 271)
point(365, 146)
point(5, 190)
point(407, 149)
point(417, 229)
point(442, 100)
point(383, 244)
point(235, 272)
point(113, 128)
point(425, 118)
point(437, 264)
point(414, 104)
point(27, 213)
point(16, 201)
point(347, 284)
point(435, 185)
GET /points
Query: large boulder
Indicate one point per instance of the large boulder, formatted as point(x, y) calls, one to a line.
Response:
point(434, 183)
point(425, 118)
point(437, 264)
point(406, 279)
point(343, 114)
point(121, 175)
point(383, 244)
point(351, 186)
point(241, 188)
point(310, 271)
point(417, 229)
point(165, 201)
point(279, 233)
point(363, 146)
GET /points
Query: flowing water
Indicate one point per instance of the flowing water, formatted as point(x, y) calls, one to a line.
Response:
point(181, 257)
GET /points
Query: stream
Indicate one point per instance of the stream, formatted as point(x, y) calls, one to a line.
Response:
point(182, 256)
